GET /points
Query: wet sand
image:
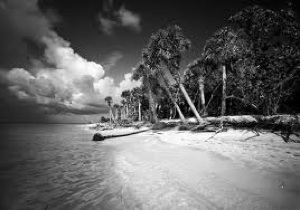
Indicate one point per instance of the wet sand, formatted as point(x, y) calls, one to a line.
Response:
point(64, 169)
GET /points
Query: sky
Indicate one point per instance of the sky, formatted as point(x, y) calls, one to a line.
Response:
point(59, 59)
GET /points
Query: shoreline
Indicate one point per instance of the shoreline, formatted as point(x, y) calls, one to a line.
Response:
point(265, 153)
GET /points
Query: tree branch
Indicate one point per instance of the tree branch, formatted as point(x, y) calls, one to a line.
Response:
point(211, 97)
point(242, 100)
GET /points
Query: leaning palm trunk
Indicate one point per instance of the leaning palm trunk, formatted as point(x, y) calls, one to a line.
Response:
point(188, 99)
point(192, 106)
point(163, 83)
point(202, 96)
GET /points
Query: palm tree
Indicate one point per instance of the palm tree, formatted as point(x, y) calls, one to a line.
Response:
point(126, 96)
point(223, 48)
point(196, 71)
point(143, 73)
point(123, 109)
point(166, 47)
point(163, 82)
point(137, 97)
point(117, 108)
point(108, 100)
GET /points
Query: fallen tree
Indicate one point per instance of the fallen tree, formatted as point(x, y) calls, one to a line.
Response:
point(283, 125)
point(102, 137)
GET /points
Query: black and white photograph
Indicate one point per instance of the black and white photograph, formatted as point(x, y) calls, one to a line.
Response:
point(151, 105)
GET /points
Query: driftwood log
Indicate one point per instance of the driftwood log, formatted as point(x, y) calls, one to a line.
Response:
point(100, 137)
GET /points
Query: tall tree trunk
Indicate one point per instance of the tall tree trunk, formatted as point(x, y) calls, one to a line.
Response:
point(223, 107)
point(163, 83)
point(199, 104)
point(188, 99)
point(192, 106)
point(202, 96)
point(153, 114)
point(124, 112)
point(121, 113)
point(111, 116)
point(127, 110)
point(140, 112)
point(174, 114)
point(117, 114)
point(136, 109)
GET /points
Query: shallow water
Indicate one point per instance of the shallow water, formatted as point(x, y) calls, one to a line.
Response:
point(55, 167)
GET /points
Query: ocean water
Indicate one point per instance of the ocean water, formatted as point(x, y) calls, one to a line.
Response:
point(55, 166)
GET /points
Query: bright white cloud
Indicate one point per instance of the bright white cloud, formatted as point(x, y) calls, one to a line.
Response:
point(59, 53)
point(73, 84)
point(126, 84)
point(18, 76)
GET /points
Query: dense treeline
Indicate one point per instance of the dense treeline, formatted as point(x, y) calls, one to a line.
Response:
point(250, 66)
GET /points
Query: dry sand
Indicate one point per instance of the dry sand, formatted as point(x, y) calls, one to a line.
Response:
point(171, 170)
point(264, 152)
point(236, 169)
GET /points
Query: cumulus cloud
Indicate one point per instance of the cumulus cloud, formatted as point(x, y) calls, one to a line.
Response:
point(76, 96)
point(120, 18)
point(59, 53)
point(61, 81)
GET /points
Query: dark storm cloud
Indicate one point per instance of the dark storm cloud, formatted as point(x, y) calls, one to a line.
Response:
point(62, 109)
point(19, 21)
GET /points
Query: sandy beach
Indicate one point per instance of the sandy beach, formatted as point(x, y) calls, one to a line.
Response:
point(236, 169)
point(60, 167)
point(174, 167)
